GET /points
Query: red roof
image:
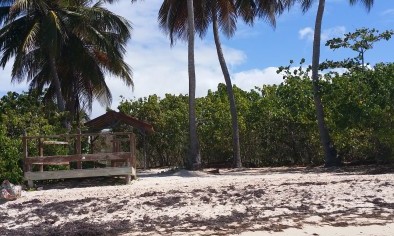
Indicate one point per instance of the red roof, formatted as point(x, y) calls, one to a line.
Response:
point(112, 118)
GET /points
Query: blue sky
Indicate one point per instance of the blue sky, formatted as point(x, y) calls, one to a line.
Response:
point(253, 54)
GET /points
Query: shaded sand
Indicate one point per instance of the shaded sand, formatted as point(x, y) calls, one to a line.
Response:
point(269, 201)
point(366, 230)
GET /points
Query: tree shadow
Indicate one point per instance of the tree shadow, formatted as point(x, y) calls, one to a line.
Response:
point(80, 182)
point(257, 214)
point(343, 170)
point(50, 215)
point(73, 228)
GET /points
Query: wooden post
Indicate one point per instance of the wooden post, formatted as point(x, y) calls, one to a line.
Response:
point(91, 140)
point(115, 148)
point(27, 166)
point(144, 149)
point(131, 157)
point(41, 150)
point(78, 148)
point(133, 151)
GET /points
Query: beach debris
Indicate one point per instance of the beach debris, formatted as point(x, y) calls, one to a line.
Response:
point(10, 191)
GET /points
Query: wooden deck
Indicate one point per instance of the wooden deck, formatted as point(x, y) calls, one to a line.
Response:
point(126, 159)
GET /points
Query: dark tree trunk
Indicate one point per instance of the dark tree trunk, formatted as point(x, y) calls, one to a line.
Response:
point(233, 109)
point(56, 82)
point(194, 160)
point(331, 158)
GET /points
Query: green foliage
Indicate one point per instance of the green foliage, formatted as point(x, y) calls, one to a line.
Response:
point(21, 113)
point(10, 167)
point(362, 112)
point(277, 123)
point(359, 41)
point(168, 145)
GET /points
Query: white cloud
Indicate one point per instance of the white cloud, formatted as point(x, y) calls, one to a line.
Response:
point(307, 33)
point(159, 68)
point(5, 81)
point(329, 33)
point(247, 80)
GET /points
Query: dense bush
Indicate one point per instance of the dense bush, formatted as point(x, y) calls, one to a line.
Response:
point(20, 113)
point(277, 123)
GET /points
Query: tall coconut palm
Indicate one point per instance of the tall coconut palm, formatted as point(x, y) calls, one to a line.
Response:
point(225, 13)
point(223, 16)
point(330, 153)
point(66, 45)
point(174, 21)
point(86, 60)
point(195, 158)
point(186, 10)
point(32, 31)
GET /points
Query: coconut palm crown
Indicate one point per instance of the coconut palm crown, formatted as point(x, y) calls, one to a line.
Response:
point(67, 46)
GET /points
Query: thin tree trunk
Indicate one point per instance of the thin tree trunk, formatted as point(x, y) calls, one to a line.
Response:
point(194, 161)
point(329, 150)
point(233, 109)
point(56, 82)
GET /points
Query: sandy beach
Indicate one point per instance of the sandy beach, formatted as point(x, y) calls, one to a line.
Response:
point(267, 201)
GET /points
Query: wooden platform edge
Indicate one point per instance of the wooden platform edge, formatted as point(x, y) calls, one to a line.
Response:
point(80, 173)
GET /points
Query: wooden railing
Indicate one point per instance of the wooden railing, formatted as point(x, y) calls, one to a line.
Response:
point(128, 159)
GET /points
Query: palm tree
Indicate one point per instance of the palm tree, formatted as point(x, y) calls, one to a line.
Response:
point(330, 153)
point(195, 158)
point(173, 9)
point(86, 60)
point(32, 33)
point(175, 22)
point(223, 15)
point(66, 45)
point(262, 9)
point(227, 14)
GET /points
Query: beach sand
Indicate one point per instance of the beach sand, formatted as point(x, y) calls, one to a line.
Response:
point(266, 201)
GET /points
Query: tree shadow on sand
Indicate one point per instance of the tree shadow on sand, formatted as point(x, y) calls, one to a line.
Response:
point(267, 216)
point(49, 215)
point(72, 228)
point(343, 170)
point(81, 182)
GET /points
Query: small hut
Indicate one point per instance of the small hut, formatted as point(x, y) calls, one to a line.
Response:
point(112, 119)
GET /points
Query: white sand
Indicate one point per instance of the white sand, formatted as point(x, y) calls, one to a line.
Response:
point(280, 201)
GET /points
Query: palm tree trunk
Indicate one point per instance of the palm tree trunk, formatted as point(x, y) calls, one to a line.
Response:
point(233, 109)
point(56, 82)
point(330, 153)
point(194, 161)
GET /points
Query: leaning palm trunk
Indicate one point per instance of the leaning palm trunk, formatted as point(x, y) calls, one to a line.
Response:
point(233, 109)
point(330, 153)
point(194, 161)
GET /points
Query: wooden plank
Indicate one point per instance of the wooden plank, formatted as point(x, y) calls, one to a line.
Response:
point(78, 157)
point(51, 163)
point(107, 133)
point(83, 134)
point(53, 142)
point(80, 173)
